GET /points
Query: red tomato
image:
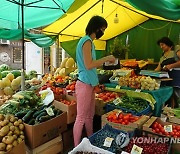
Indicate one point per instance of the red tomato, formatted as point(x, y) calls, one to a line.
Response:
point(104, 98)
point(72, 87)
point(112, 95)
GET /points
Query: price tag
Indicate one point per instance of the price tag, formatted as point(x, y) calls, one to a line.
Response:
point(136, 149)
point(138, 90)
point(118, 87)
point(117, 101)
point(108, 142)
point(168, 128)
point(49, 111)
point(118, 112)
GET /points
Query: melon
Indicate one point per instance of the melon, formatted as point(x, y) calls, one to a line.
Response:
point(10, 76)
point(63, 63)
point(6, 82)
point(70, 63)
point(8, 91)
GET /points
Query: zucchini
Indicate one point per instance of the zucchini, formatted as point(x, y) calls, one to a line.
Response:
point(38, 112)
point(44, 118)
point(28, 116)
point(21, 114)
point(31, 122)
point(40, 115)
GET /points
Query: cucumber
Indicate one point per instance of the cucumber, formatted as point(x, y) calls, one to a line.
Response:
point(40, 115)
point(28, 116)
point(44, 118)
point(37, 113)
point(21, 114)
point(31, 122)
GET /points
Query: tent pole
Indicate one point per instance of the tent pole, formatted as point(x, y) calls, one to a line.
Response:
point(23, 54)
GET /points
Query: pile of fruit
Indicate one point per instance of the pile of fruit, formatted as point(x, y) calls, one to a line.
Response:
point(122, 118)
point(71, 86)
point(9, 85)
point(140, 82)
point(148, 148)
point(107, 96)
point(67, 102)
point(159, 129)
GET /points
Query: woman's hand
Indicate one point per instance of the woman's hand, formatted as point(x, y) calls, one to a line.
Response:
point(110, 58)
point(167, 67)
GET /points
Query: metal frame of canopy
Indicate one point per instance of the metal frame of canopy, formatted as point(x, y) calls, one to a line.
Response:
point(22, 4)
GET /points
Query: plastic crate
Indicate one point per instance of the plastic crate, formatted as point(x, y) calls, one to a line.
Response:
point(110, 107)
point(112, 133)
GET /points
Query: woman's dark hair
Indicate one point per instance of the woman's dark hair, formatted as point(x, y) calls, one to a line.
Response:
point(95, 23)
point(166, 41)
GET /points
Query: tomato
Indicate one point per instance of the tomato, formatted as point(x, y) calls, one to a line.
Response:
point(108, 94)
point(104, 98)
point(157, 130)
point(68, 87)
point(72, 87)
point(112, 95)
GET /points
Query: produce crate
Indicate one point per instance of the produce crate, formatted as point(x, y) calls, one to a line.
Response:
point(111, 106)
point(39, 134)
point(53, 146)
point(129, 127)
point(70, 109)
point(19, 149)
point(148, 135)
point(86, 147)
point(147, 127)
point(98, 138)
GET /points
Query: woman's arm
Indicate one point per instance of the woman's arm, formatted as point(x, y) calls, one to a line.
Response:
point(158, 68)
point(174, 65)
point(89, 62)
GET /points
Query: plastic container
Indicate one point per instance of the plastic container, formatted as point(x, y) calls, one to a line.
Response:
point(110, 107)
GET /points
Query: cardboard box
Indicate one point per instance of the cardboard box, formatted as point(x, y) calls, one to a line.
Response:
point(36, 135)
point(100, 107)
point(147, 127)
point(19, 149)
point(68, 141)
point(130, 127)
point(70, 109)
point(52, 147)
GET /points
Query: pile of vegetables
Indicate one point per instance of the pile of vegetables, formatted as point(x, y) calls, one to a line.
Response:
point(11, 132)
point(107, 96)
point(140, 82)
point(170, 112)
point(64, 101)
point(38, 115)
point(133, 105)
point(20, 101)
point(122, 118)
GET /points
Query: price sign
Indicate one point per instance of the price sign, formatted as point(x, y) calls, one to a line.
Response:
point(136, 149)
point(168, 128)
point(108, 142)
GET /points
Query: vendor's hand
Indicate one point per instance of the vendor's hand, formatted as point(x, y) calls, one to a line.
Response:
point(167, 67)
point(111, 58)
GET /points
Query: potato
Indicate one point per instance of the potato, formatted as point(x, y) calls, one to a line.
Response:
point(2, 152)
point(10, 124)
point(9, 147)
point(21, 132)
point(15, 136)
point(10, 133)
point(12, 119)
point(19, 140)
point(1, 117)
point(4, 130)
point(8, 139)
point(2, 146)
point(15, 143)
point(22, 136)
point(12, 128)
point(20, 121)
point(21, 126)
point(3, 123)
point(16, 123)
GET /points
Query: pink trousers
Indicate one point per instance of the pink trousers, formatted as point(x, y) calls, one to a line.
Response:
point(85, 110)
